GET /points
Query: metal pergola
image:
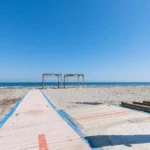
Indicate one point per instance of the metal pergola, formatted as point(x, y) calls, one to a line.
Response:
point(73, 75)
point(59, 76)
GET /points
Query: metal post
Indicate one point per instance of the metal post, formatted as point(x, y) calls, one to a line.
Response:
point(61, 80)
point(67, 81)
point(42, 81)
point(83, 80)
point(64, 81)
point(78, 81)
point(58, 81)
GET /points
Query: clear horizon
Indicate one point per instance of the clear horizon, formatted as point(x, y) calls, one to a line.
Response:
point(74, 82)
point(108, 41)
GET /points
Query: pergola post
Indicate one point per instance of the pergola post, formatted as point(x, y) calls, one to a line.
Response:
point(64, 82)
point(42, 81)
point(83, 80)
point(61, 80)
point(67, 81)
point(58, 81)
point(78, 81)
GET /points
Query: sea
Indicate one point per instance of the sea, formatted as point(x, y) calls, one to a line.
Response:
point(71, 84)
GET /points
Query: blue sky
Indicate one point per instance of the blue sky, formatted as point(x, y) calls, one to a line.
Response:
point(107, 40)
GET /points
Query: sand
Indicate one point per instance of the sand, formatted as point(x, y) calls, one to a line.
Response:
point(8, 98)
point(85, 97)
point(106, 126)
point(34, 121)
point(111, 129)
point(78, 97)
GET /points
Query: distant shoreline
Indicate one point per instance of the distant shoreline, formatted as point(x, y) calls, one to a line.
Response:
point(14, 85)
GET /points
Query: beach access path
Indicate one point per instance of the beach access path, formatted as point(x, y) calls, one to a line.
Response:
point(35, 125)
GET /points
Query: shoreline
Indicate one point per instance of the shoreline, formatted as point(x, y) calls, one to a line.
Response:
point(71, 87)
point(30, 85)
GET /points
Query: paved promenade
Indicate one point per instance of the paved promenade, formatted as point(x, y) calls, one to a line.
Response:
point(35, 125)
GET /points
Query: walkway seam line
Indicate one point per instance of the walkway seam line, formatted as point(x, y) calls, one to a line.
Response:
point(7, 116)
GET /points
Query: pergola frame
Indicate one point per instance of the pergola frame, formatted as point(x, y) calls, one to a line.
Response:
point(59, 76)
point(73, 75)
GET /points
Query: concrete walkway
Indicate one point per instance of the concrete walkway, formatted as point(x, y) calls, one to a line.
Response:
point(35, 125)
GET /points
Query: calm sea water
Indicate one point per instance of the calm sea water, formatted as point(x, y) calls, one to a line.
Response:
point(71, 84)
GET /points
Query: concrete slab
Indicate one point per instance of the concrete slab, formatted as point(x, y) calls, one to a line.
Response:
point(36, 125)
point(113, 128)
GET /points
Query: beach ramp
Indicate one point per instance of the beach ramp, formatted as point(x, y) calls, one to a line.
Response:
point(35, 125)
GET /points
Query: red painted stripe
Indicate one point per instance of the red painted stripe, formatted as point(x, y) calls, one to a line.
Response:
point(42, 142)
point(100, 115)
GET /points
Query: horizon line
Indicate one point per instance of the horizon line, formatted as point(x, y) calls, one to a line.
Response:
point(75, 82)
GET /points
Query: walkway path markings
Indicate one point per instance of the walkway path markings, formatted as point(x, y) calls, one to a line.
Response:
point(35, 125)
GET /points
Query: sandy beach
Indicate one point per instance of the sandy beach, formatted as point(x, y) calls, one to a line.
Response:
point(106, 126)
point(78, 97)
point(85, 97)
point(8, 98)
